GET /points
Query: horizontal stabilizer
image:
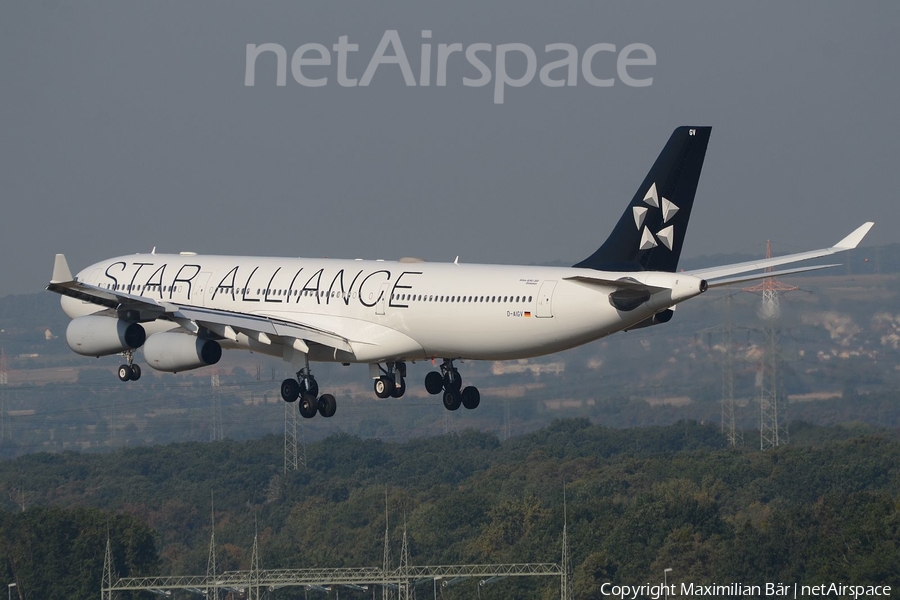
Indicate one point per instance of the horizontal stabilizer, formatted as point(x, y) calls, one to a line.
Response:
point(627, 284)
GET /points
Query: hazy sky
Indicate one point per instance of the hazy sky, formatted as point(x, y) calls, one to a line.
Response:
point(128, 125)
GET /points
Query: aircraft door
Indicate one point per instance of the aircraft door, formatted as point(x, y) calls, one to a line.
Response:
point(545, 300)
point(382, 297)
point(202, 291)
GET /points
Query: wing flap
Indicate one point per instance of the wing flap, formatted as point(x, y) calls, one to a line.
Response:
point(215, 320)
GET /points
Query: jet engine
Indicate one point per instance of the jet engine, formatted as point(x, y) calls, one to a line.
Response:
point(94, 335)
point(173, 352)
point(661, 317)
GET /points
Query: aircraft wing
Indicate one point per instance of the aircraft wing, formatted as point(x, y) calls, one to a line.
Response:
point(718, 276)
point(225, 324)
point(228, 324)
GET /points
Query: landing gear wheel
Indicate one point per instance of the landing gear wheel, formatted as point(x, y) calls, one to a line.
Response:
point(327, 405)
point(383, 387)
point(290, 390)
point(308, 406)
point(135, 372)
point(471, 397)
point(452, 400)
point(434, 383)
point(125, 373)
point(399, 388)
point(452, 381)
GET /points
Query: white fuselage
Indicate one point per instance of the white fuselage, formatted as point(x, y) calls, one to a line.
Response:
point(391, 310)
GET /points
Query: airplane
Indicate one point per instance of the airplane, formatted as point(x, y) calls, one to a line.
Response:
point(185, 309)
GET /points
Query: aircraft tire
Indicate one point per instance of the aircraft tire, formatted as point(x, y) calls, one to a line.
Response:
point(383, 387)
point(135, 372)
point(471, 397)
point(327, 405)
point(308, 406)
point(434, 383)
point(452, 400)
point(125, 373)
point(399, 388)
point(290, 390)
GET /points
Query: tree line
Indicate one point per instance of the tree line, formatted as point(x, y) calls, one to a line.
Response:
point(638, 501)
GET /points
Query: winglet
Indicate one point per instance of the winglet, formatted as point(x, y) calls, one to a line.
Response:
point(852, 241)
point(61, 272)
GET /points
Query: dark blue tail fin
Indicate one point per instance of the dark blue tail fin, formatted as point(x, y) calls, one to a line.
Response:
point(649, 236)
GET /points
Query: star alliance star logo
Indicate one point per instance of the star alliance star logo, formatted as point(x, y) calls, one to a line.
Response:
point(666, 235)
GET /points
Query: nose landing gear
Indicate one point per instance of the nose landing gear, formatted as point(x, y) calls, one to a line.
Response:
point(129, 371)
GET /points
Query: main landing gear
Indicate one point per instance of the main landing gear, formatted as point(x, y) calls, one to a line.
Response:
point(390, 380)
point(129, 371)
point(306, 390)
point(449, 381)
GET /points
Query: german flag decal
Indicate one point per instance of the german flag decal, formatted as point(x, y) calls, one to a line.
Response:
point(527, 313)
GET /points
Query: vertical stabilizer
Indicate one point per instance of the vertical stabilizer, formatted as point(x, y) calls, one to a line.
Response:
point(649, 235)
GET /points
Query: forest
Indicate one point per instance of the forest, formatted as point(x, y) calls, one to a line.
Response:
point(638, 501)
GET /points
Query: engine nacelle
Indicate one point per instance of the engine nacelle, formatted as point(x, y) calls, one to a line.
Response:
point(661, 317)
point(173, 352)
point(100, 336)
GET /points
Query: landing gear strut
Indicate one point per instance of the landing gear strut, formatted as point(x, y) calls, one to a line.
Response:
point(391, 383)
point(306, 389)
point(129, 371)
point(449, 381)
